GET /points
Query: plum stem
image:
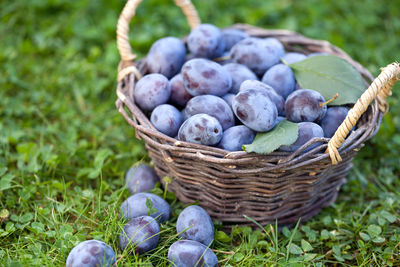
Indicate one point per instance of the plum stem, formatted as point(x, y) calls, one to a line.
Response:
point(222, 58)
point(329, 101)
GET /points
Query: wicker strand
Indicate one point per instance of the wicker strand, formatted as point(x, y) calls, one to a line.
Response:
point(380, 88)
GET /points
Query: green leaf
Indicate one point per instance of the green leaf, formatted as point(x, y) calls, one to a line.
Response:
point(295, 249)
point(364, 236)
point(238, 257)
point(388, 216)
point(285, 133)
point(330, 75)
point(306, 246)
point(221, 236)
point(149, 205)
point(374, 230)
point(5, 181)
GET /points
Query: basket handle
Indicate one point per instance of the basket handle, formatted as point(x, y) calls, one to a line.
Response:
point(380, 89)
point(127, 66)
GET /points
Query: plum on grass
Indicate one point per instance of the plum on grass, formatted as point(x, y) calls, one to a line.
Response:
point(152, 90)
point(255, 109)
point(277, 99)
point(305, 105)
point(333, 118)
point(140, 178)
point(281, 78)
point(201, 129)
point(235, 137)
point(142, 233)
point(307, 131)
point(213, 106)
point(232, 37)
point(167, 119)
point(205, 77)
point(206, 41)
point(189, 253)
point(194, 223)
point(293, 57)
point(239, 74)
point(136, 205)
point(257, 54)
point(166, 56)
point(91, 253)
point(179, 96)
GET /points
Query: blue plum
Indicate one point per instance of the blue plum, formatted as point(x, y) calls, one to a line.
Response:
point(206, 41)
point(136, 206)
point(213, 106)
point(166, 56)
point(152, 90)
point(189, 253)
point(142, 233)
point(201, 129)
point(179, 96)
point(279, 119)
point(307, 131)
point(140, 178)
point(281, 78)
point(235, 137)
point(305, 105)
point(293, 57)
point(333, 118)
point(205, 77)
point(255, 109)
point(228, 99)
point(167, 119)
point(239, 74)
point(194, 223)
point(232, 37)
point(91, 253)
point(276, 45)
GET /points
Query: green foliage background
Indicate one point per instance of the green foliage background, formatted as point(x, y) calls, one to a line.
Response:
point(64, 148)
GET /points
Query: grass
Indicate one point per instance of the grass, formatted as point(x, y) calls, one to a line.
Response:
point(64, 148)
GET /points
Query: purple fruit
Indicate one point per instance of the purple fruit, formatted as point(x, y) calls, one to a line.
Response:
point(281, 78)
point(152, 90)
point(166, 56)
point(228, 98)
point(279, 119)
point(213, 106)
point(91, 253)
point(142, 233)
point(333, 118)
point(189, 253)
point(305, 105)
point(206, 41)
point(201, 129)
point(232, 37)
point(293, 57)
point(239, 74)
point(194, 223)
point(167, 119)
point(235, 137)
point(255, 109)
point(307, 131)
point(140, 178)
point(179, 96)
point(205, 77)
point(136, 206)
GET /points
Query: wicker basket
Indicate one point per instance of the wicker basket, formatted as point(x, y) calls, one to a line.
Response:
point(279, 186)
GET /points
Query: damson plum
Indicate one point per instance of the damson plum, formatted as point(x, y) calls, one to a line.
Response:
point(273, 95)
point(305, 105)
point(152, 90)
point(257, 54)
point(189, 253)
point(166, 56)
point(332, 120)
point(194, 223)
point(205, 77)
point(293, 57)
point(136, 206)
point(201, 129)
point(179, 96)
point(91, 253)
point(235, 137)
point(142, 233)
point(167, 119)
point(228, 99)
point(276, 45)
point(279, 119)
point(307, 131)
point(206, 41)
point(232, 37)
point(255, 109)
point(140, 178)
point(213, 106)
point(281, 78)
point(239, 74)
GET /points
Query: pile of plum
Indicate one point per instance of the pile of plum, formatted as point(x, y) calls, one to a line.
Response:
point(144, 212)
point(227, 88)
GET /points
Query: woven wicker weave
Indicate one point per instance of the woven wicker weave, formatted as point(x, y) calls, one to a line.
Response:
point(278, 186)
